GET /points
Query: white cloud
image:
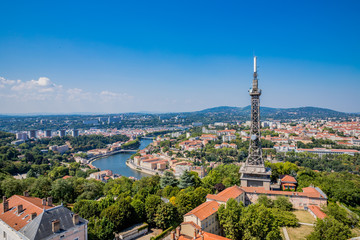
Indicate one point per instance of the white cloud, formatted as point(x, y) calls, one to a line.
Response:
point(111, 96)
point(46, 94)
point(4, 82)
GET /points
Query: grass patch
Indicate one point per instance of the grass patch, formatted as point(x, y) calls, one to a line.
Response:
point(304, 216)
point(299, 233)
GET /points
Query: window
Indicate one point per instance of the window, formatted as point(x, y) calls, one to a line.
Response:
point(76, 239)
point(4, 234)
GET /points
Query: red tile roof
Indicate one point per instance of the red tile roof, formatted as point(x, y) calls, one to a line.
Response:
point(192, 224)
point(307, 192)
point(288, 179)
point(317, 211)
point(30, 205)
point(204, 210)
point(207, 236)
point(225, 195)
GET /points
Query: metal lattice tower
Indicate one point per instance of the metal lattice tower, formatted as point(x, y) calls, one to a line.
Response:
point(255, 152)
point(253, 172)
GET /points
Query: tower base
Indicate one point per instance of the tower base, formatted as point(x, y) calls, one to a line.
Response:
point(255, 176)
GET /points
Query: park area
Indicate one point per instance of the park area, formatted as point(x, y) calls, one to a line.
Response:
point(298, 233)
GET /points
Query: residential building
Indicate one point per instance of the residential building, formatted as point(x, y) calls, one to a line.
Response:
point(299, 200)
point(324, 151)
point(24, 217)
point(61, 149)
point(228, 138)
point(288, 182)
point(205, 216)
point(21, 136)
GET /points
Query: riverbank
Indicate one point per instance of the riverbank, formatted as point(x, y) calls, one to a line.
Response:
point(141, 169)
point(116, 162)
point(93, 159)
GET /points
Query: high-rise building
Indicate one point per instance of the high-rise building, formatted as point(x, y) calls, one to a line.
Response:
point(21, 136)
point(253, 172)
point(48, 133)
point(62, 133)
point(32, 134)
point(75, 133)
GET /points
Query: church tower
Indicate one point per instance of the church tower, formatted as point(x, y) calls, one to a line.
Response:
point(253, 172)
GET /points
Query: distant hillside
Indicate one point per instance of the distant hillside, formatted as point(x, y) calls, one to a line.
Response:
point(275, 113)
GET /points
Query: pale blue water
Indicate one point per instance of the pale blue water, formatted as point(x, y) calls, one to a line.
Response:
point(116, 163)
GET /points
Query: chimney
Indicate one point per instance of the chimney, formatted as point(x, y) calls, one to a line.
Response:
point(172, 235)
point(55, 226)
point(202, 235)
point(5, 204)
point(33, 215)
point(194, 233)
point(26, 194)
point(49, 201)
point(20, 208)
point(75, 219)
point(43, 201)
point(178, 231)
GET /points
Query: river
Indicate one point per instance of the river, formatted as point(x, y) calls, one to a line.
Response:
point(116, 163)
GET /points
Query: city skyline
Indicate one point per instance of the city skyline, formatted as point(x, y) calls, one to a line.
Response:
point(168, 57)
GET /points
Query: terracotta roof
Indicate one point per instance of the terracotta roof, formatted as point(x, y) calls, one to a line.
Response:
point(30, 205)
point(317, 211)
point(66, 177)
point(310, 192)
point(207, 236)
point(204, 210)
point(225, 195)
point(288, 179)
point(192, 224)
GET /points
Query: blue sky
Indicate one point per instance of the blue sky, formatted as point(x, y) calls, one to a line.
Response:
point(161, 56)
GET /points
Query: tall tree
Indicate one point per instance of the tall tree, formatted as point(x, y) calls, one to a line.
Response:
point(166, 216)
point(139, 208)
point(186, 180)
point(152, 202)
point(121, 214)
point(229, 218)
point(168, 179)
point(100, 229)
point(283, 203)
point(330, 228)
point(258, 222)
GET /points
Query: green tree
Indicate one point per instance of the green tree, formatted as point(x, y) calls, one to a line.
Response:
point(284, 218)
point(100, 229)
point(168, 179)
point(283, 203)
point(87, 208)
point(152, 202)
point(341, 214)
point(63, 190)
point(330, 228)
point(121, 213)
point(186, 180)
point(139, 208)
point(166, 216)
point(229, 218)
point(11, 186)
point(170, 191)
point(264, 200)
point(41, 187)
point(258, 222)
point(30, 174)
